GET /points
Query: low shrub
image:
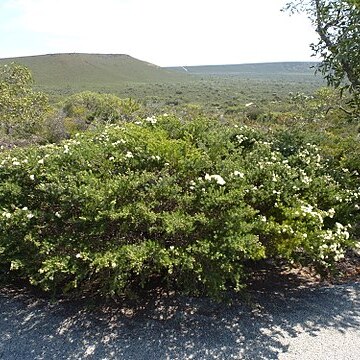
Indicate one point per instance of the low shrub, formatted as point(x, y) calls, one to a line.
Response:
point(93, 107)
point(189, 203)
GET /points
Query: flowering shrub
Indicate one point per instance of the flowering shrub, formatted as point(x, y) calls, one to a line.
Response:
point(185, 202)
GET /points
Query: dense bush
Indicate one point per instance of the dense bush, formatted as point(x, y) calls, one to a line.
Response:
point(22, 110)
point(94, 107)
point(185, 202)
point(82, 110)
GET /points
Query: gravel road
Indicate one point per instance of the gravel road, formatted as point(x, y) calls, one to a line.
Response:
point(306, 323)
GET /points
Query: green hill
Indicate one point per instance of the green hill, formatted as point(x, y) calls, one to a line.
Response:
point(63, 74)
point(111, 70)
point(93, 70)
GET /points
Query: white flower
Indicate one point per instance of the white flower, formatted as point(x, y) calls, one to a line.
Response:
point(78, 256)
point(111, 158)
point(29, 216)
point(306, 179)
point(7, 215)
point(240, 138)
point(129, 155)
point(217, 178)
point(238, 173)
point(307, 209)
point(121, 141)
point(58, 215)
point(32, 177)
point(339, 227)
point(16, 163)
point(25, 208)
point(331, 212)
point(41, 161)
point(338, 257)
point(151, 120)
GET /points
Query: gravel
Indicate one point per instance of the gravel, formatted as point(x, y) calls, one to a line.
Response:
point(300, 323)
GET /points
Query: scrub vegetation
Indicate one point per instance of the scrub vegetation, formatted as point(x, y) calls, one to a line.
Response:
point(185, 183)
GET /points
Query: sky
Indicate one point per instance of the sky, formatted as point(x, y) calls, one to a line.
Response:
point(162, 32)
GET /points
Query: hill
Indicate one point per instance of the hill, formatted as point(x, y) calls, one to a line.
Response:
point(63, 74)
point(109, 70)
point(260, 69)
point(92, 70)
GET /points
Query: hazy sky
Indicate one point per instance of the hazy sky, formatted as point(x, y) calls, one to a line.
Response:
point(164, 32)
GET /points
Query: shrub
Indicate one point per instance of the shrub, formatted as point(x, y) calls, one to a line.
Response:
point(21, 109)
point(93, 107)
point(185, 202)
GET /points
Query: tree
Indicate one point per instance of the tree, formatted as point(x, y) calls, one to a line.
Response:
point(21, 108)
point(337, 22)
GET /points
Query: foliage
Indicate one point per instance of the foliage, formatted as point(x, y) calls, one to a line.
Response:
point(21, 109)
point(169, 199)
point(100, 108)
point(338, 26)
point(82, 110)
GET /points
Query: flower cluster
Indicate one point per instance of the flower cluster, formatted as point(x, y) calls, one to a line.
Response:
point(151, 120)
point(218, 179)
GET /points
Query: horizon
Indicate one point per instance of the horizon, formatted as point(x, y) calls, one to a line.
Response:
point(144, 60)
point(183, 33)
